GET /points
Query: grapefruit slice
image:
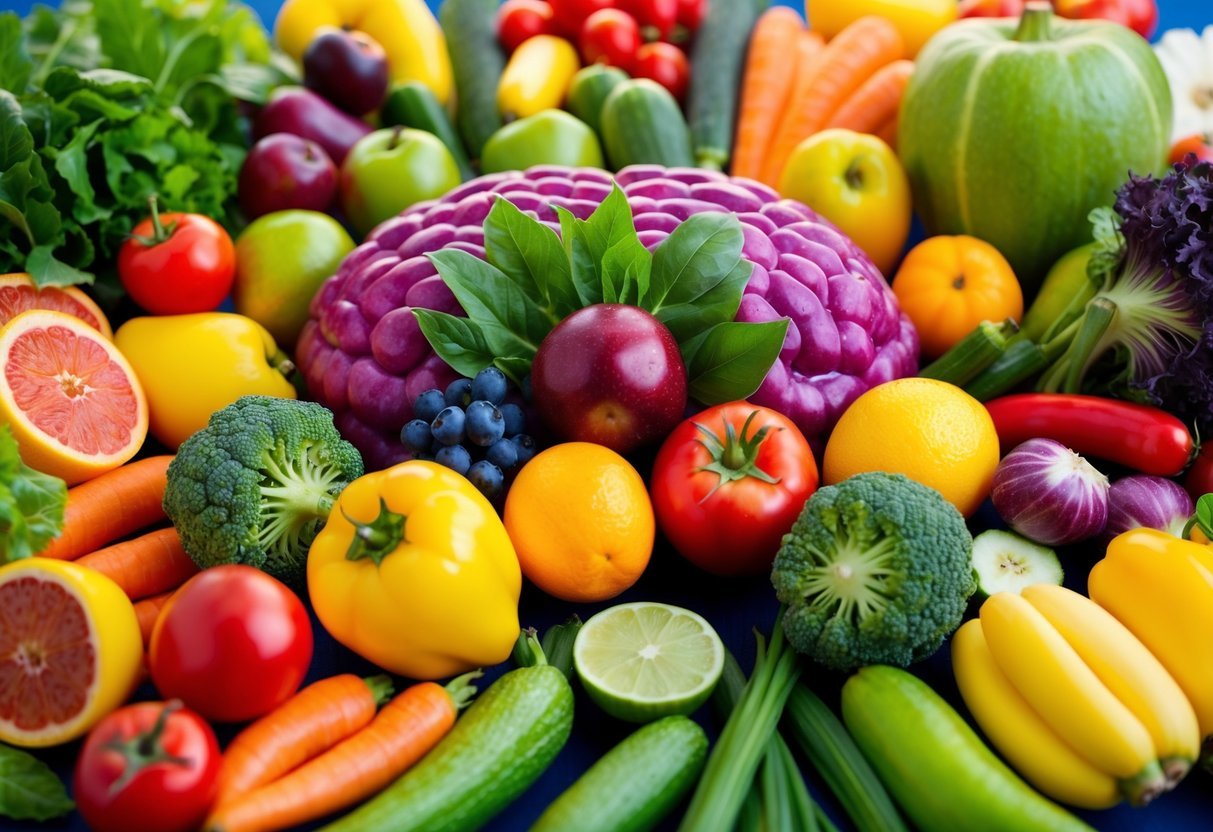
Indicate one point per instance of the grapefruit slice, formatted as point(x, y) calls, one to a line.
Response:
point(70, 650)
point(19, 294)
point(75, 405)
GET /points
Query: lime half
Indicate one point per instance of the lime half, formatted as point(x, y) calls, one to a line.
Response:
point(645, 660)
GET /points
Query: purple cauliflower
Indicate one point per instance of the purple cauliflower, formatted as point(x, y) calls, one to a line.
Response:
point(364, 356)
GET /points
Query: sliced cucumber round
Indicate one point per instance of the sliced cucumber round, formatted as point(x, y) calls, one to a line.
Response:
point(1005, 562)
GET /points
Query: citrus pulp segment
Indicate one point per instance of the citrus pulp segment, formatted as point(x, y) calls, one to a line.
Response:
point(18, 294)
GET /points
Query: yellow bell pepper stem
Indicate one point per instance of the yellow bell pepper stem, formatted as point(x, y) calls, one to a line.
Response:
point(378, 538)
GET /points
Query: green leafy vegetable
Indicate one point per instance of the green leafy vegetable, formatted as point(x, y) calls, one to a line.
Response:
point(1202, 518)
point(31, 504)
point(29, 790)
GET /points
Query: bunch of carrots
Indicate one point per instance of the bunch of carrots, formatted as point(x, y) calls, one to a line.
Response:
point(113, 507)
point(795, 84)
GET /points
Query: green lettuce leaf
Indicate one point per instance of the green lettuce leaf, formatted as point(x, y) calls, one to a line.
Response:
point(31, 504)
point(29, 790)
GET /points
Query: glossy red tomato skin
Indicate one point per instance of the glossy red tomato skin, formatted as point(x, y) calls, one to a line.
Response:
point(1199, 479)
point(666, 64)
point(691, 12)
point(521, 20)
point(735, 529)
point(571, 14)
point(232, 643)
point(610, 36)
point(656, 16)
point(191, 271)
point(164, 796)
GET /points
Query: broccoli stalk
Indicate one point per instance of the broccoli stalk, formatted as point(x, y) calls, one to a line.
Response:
point(296, 495)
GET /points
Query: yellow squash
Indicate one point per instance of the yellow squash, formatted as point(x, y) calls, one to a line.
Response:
point(537, 77)
point(414, 571)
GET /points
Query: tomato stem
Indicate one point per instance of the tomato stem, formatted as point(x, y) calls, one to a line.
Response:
point(378, 538)
point(160, 232)
point(737, 456)
point(145, 749)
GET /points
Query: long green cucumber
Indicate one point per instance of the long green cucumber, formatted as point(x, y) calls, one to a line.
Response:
point(496, 750)
point(635, 784)
point(938, 770)
point(717, 61)
point(413, 104)
point(642, 124)
point(477, 62)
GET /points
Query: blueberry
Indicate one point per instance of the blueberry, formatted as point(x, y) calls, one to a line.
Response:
point(455, 457)
point(503, 453)
point(485, 424)
point(489, 385)
point(448, 425)
point(459, 392)
point(428, 404)
point(416, 436)
point(515, 419)
point(525, 446)
point(487, 477)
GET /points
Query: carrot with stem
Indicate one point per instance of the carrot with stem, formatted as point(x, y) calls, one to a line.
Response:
point(827, 81)
point(147, 611)
point(877, 100)
point(400, 735)
point(146, 565)
point(778, 36)
point(110, 507)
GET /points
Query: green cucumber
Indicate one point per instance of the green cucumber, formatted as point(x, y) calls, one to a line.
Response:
point(642, 124)
point(589, 89)
point(497, 749)
point(717, 61)
point(938, 770)
point(477, 62)
point(635, 784)
point(413, 104)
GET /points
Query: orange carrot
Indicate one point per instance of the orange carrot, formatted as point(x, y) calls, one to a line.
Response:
point(876, 101)
point(887, 132)
point(403, 732)
point(147, 565)
point(830, 79)
point(779, 37)
point(148, 610)
point(110, 507)
point(309, 723)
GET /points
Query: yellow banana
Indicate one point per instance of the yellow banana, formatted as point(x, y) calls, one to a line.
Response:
point(1161, 588)
point(1068, 696)
point(1030, 746)
point(537, 76)
point(1129, 670)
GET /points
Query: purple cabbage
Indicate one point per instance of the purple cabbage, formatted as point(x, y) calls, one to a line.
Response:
point(1152, 502)
point(363, 354)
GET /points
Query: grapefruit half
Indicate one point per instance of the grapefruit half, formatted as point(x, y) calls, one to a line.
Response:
point(70, 650)
point(74, 404)
point(19, 294)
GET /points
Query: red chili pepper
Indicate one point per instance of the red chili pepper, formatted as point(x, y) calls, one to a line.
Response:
point(1137, 436)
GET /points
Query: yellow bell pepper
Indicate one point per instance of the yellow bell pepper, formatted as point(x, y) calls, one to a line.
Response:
point(192, 365)
point(916, 20)
point(537, 77)
point(414, 571)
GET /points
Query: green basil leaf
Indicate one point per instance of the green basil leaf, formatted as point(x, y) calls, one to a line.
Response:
point(457, 341)
point(1204, 515)
point(584, 264)
point(611, 222)
point(626, 266)
point(717, 305)
point(516, 368)
point(730, 360)
point(29, 790)
point(530, 254)
point(15, 63)
point(702, 254)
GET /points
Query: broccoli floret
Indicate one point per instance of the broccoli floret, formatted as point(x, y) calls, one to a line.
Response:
point(257, 484)
point(874, 571)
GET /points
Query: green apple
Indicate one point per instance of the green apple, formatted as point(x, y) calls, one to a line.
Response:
point(550, 137)
point(281, 260)
point(389, 170)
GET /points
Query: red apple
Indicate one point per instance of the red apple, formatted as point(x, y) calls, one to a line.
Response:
point(348, 68)
point(284, 171)
point(610, 374)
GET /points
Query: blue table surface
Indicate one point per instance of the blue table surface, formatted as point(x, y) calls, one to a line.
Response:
point(734, 607)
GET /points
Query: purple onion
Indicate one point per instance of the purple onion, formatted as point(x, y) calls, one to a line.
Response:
point(1152, 502)
point(1050, 494)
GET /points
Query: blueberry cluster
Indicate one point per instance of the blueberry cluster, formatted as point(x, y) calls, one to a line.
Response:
point(470, 429)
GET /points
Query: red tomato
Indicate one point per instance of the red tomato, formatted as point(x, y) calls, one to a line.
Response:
point(691, 13)
point(519, 20)
point(728, 483)
point(664, 63)
point(148, 767)
point(174, 264)
point(232, 643)
point(610, 37)
point(657, 17)
point(1201, 145)
point(1199, 480)
point(570, 14)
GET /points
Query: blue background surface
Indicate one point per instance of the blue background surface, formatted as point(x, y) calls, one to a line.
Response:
point(734, 607)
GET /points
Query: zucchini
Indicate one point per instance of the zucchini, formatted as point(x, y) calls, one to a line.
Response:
point(717, 61)
point(477, 61)
point(635, 784)
point(413, 104)
point(589, 89)
point(642, 124)
point(941, 774)
point(497, 749)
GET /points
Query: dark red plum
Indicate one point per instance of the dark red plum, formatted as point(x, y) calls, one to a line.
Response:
point(283, 171)
point(300, 111)
point(348, 68)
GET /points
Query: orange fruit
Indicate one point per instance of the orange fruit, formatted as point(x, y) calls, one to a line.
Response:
point(74, 404)
point(70, 650)
point(18, 294)
point(929, 430)
point(581, 522)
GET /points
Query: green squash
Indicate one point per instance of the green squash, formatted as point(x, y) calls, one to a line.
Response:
point(1013, 131)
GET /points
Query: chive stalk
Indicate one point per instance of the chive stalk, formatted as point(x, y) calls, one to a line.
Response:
point(972, 354)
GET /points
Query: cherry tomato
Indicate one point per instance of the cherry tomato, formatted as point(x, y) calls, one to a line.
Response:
point(1199, 144)
point(610, 37)
point(656, 17)
point(520, 20)
point(174, 264)
point(664, 63)
point(728, 483)
point(148, 767)
point(1199, 480)
point(691, 13)
point(571, 14)
point(232, 643)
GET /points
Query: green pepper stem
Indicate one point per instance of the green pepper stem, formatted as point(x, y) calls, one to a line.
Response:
point(378, 538)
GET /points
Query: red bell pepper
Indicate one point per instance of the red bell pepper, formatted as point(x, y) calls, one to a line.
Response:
point(1139, 15)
